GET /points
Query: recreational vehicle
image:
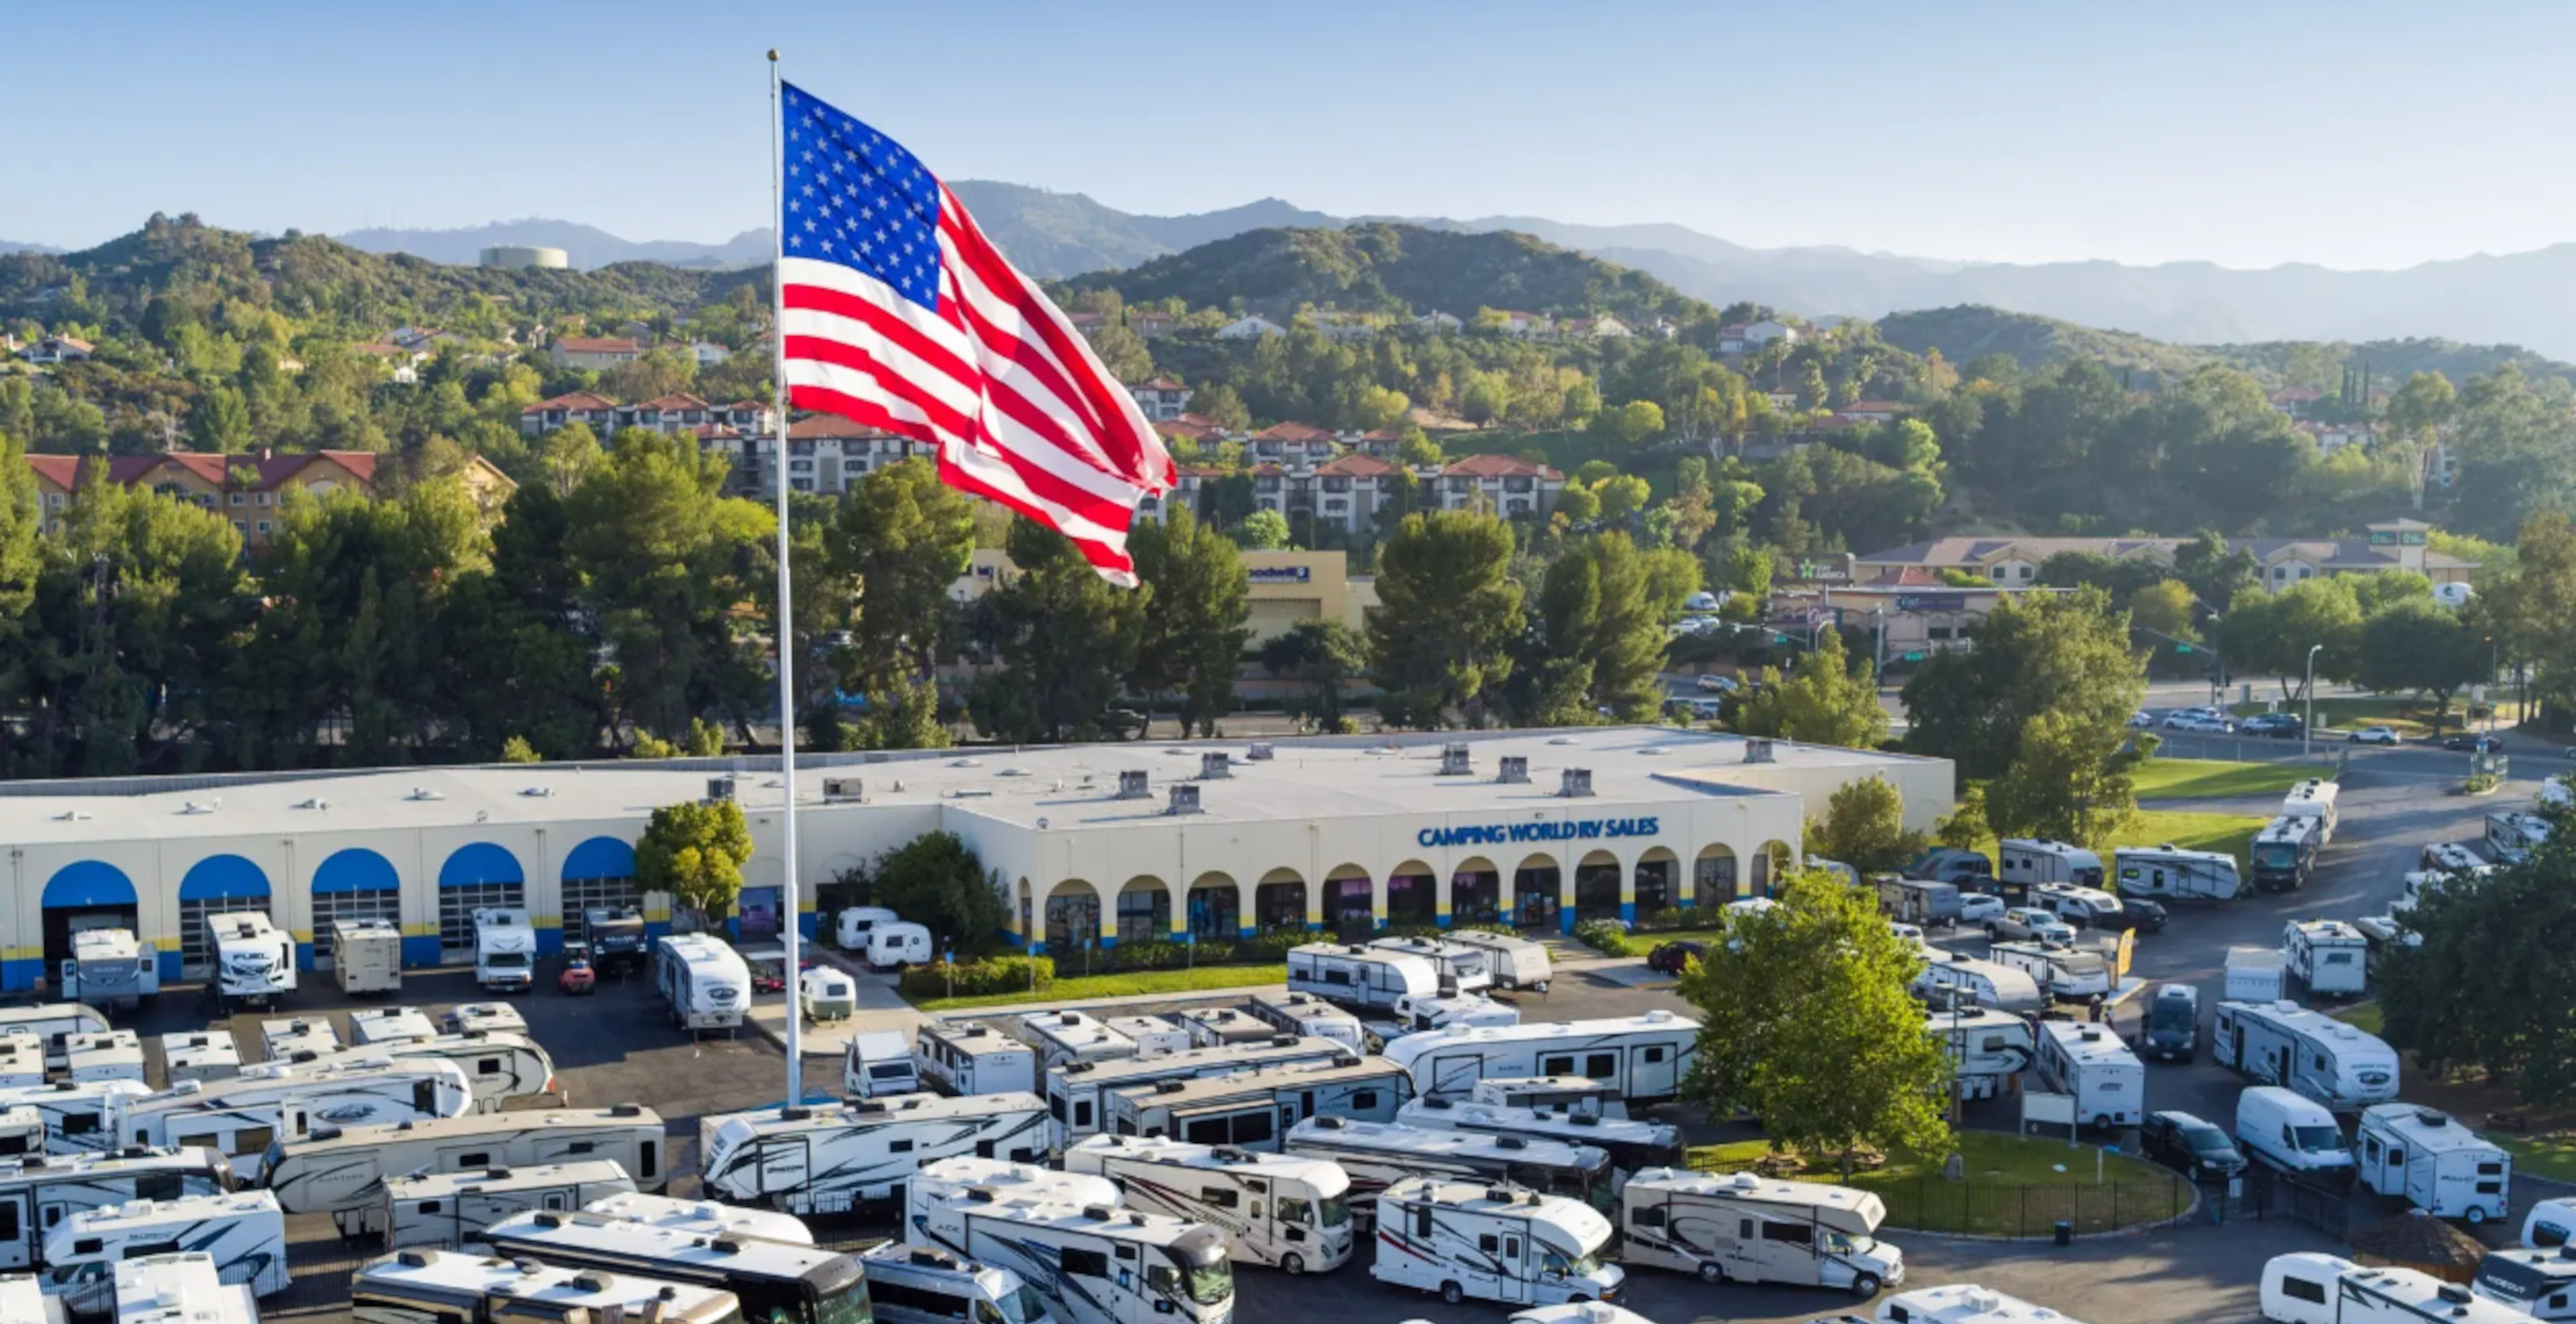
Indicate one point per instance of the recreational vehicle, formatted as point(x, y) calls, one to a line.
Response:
point(22, 1131)
point(894, 946)
point(617, 937)
point(337, 1170)
point(1307, 1015)
point(499, 1067)
point(1643, 1058)
point(878, 1063)
point(2540, 1283)
point(2283, 1043)
point(1740, 1228)
point(54, 1023)
point(1091, 1264)
point(2512, 835)
point(1074, 1036)
point(2315, 799)
point(1987, 1048)
point(366, 955)
point(2028, 863)
point(254, 960)
point(1919, 901)
point(23, 1301)
point(280, 1041)
point(826, 994)
point(447, 1285)
point(1022, 1183)
point(1456, 965)
point(1358, 975)
point(243, 1232)
point(1985, 983)
point(2068, 974)
point(22, 1061)
point(1634, 1145)
point(1518, 963)
point(109, 969)
point(703, 982)
point(390, 1025)
point(1376, 1155)
point(1289, 1213)
point(2292, 1133)
point(911, 1284)
point(243, 1116)
point(80, 1119)
point(2170, 873)
point(2090, 1062)
point(1422, 1015)
point(115, 1055)
point(2452, 857)
point(180, 1288)
point(38, 1194)
point(495, 1017)
point(1248, 1110)
point(830, 1158)
point(2437, 1165)
point(505, 950)
point(451, 1209)
point(2285, 852)
point(2311, 1287)
point(702, 1218)
point(2550, 1224)
point(1075, 1092)
point(1201, 1027)
point(852, 925)
point(2256, 974)
point(973, 1058)
point(1493, 1243)
point(2083, 907)
point(2329, 956)
point(1567, 1094)
point(1964, 1303)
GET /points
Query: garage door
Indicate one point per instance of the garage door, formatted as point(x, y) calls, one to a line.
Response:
point(580, 894)
point(330, 908)
point(216, 885)
point(456, 907)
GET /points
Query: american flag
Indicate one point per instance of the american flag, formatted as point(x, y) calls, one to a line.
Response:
point(900, 314)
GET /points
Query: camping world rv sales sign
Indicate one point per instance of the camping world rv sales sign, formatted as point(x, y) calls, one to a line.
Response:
point(1577, 829)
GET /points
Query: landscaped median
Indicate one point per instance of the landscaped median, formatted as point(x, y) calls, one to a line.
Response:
point(1127, 983)
point(2011, 1187)
point(2210, 779)
point(1130, 969)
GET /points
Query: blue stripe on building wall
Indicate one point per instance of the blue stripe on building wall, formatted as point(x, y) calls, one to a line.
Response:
point(356, 869)
point(88, 883)
point(480, 862)
point(219, 877)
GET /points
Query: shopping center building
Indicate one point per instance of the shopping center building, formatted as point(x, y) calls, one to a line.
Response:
point(1089, 843)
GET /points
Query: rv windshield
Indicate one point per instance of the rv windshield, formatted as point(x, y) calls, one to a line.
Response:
point(1832, 1242)
point(2275, 855)
point(508, 961)
point(2172, 1014)
point(849, 1305)
point(1211, 1284)
point(1579, 1266)
point(2318, 1139)
point(1020, 1307)
point(1337, 1210)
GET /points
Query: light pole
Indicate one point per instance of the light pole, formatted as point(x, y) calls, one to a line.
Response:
point(2308, 725)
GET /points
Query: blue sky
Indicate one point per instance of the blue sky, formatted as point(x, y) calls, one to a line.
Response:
point(2352, 134)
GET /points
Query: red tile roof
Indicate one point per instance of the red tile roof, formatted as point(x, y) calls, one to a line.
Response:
point(273, 469)
point(829, 426)
point(1200, 470)
point(601, 345)
point(1498, 466)
point(1292, 432)
point(1358, 466)
point(1160, 384)
point(682, 400)
point(575, 401)
point(1201, 420)
point(1173, 427)
point(1268, 470)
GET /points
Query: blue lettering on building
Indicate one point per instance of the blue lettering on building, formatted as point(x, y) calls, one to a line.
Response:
point(1497, 834)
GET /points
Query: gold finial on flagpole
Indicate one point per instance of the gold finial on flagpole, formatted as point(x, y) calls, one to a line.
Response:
point(773, 56)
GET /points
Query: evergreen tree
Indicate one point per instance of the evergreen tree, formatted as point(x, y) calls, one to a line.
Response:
point(1192, 645)
point(1448, 611)
point(1066, 638)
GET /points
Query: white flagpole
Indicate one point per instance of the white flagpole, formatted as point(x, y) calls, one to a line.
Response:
point(791, 916)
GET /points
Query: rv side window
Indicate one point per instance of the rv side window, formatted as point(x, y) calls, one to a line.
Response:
point(1253, 1129)
point(431, 1206)
point(1082, 1114)
point(648, 1159)
point(1649, 1216)
point(1055, 1106)
point(1489, 1244)
point(80, 1124)
point(469, 1162)
point(2490, 1169)
point(1337, 976)
point(2300, 1289)
point(1654, 1053)
point(1601, 1066)
point(251, 1140)
point(582, 1147)
point(1205, 1131)
point(1422, 1222)
point(1994, 1043)
point(1217, 1197)
point(1364, 1099)
point(87, 1246)
point(1793, 1234)
point(1556, 1066)
point(157, 1186)
point(1086, 1263)
point(9, 1229)
point(899, 1147)
point(487, 1066)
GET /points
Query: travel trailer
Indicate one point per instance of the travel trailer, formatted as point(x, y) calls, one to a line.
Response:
point(1986, 983)
point(505, 950)
point(618, 940)
point(878, 1063)
point(2170, 873)
point(2550, 1224)
point(22, 1061)
point(2089, 1061)
point(109, 969)
point(338, 1170)
point(243, 1232)
point(37, 1194)
point(1493, 1243)
point(254, 960)
point(2540, 1283)
point(179, 1288)
point(2283, 1043)
point(909, 1284)
point(2292, 1133)
point(1076, 1092)
point(1634, 1145)
point(492, 1017)
point(1988, 1049)
point(702, 1218)
point(452, 1209)
point(2452, 857)
point(2068, 974)
point(390, 1025)
point(827, 1159)
point(1376, 1155)
point(1204, 1027)
point(2083, 907)
point(1249, 1109)
point(1074, 1036)
point(280, 1041)
point(894, 946)
point(2327, 956)
point(78, 1118)
point(1286, 1212)
point(853, 924)
point(2315, 799)
point(1022, 1183)
point(2285, 852)
point(1644, 1058)
point(22, 1131)
point(499, 1067)
point(22, 1300)
point(1919, 901)
point(115, 1055)
point(2311, 1287)
point(703, 982)
point(1740, 1228)
point(2424, 1156)
point(1518, 963)
point(1423, 1015)
point(1093, 1264)
point(54, 1023)
point(1579, 1095)
point(366, 955)
point(1964, 1303)
point(243, 1116)
point(973, 1058)
point(2028, 863)
point(2257, 974)
point(1307, 1015)
point(1160, 1034)
point(2512, 835)
point(486, 1289)
point(1457, 965)
point(826, 994)
point(1361, 976)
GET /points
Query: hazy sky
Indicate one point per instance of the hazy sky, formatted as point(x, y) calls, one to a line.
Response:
point(2349, 133)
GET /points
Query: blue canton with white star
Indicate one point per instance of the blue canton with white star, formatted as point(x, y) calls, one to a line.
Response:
point(856, 197)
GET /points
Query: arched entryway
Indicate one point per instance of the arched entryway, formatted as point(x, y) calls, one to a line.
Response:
point(355, 884)
point(1072, 916)
point(1658, 875)
point(476, 876)
point(1475, 892)
point(599, 874)
point(1144, 910)
point(1280, 901)
point(1350, 904)
point(215, 885)
point(1412, 896)
point(1596, 887)
point(89, 894)
point(1215, 908)
point(1714, 876)
point(1535, 892)
point(1770, 864)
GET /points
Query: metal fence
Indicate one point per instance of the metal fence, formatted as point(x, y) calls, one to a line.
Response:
point(1999, 1209)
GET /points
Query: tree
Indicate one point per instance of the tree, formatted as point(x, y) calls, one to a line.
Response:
point(1379, 408)
point(2272, 632)
point(1964, 827)
point(568, 457)
point(1599, 641)
point(1327, 656)
point(220, 423)
point(936, 880)
point(1448, 609)
point(1066, 637)
point(2535, 604)
point(1262, 531)
point(1218, 404)
point(2214, 572)
point(2418, 646)
point(1824, 703)
point(695, 851)
point(2033, 655)
point(905, 537)
point(2069, 781)
point(1864, 826)
point(2164, 606)
point(1193, 638)
point(1622, 496)
point(1805, 1023)
point(517, 750)
point(1579, 505)
point(2489, 987)
point(1634, 421)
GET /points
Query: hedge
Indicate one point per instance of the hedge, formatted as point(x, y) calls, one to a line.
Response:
point(993, 974)
point(1604, 937)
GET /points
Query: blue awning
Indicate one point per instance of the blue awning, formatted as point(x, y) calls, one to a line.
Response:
point(481, 862)
point(600, 857)
point(356, 869)
point(88, 883)
point(223, 876)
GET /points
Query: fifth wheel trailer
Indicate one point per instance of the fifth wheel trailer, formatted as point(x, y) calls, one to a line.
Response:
point(1644, 1058)
point(339, 1170)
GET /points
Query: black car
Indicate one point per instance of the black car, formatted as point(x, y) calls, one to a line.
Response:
point(2285, 726)
point(2476, 744)
point(2139, 913)
point(1670, 957)
point(2189, 1146)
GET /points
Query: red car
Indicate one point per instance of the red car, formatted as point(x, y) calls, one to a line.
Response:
point(768, 977)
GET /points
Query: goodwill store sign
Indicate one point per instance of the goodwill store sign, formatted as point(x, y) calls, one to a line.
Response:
point(1497, 834)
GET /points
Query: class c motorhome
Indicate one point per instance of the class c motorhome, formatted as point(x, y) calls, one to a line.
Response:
point(340, 1170)
point(831, 1158)
point(1740, 1228)
point(1357, 975)
point(1090, 1264)
point(505, 950)
point(2283, 1043)
point(2426, 1157)
point(2092, 1064)
point(1279, 1210)
point(973, 1058)
point(911, 1284)
point(1493, 1243)
point(2170, 873)
point(1519, 963)
point(2309, 1287)
point(1643, 1058)
point(704, 983)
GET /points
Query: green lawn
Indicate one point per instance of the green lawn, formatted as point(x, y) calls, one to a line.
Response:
point(2552, 1156)
point(2193, 779)
point(2190, 830)
point(1130, 983)
point(2404, 715)
point(2365, 1017)
point(2014, 1187)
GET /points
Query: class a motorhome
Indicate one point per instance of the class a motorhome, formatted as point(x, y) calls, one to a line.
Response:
point(505, 950)
point(1518, 963)
point(1988, 1049)
point(109, 969)
point(1467, 969)
point(2540, 1283)
point(55, 1023)
point(1307, 1015)
point(828, 1159)
point(1985, 983)
point(78, 1118)
point(701, 1218)
point(2028, 862)
point(1076, 1093)
point(1740, 1228)
point(878, 1063)
point(38, 1193)
point(1357, 975)
point(1248, 1110)
point(2170, 873)
point(1377, 1155)
point(339, 1170)
point(452, 1209)
point(2328, 956)
point(115, 1055)
point(2291, 1132)
point(280, 1041)
point(703, 982)
point(243, 1116)
point(1206, 1027)
point(1492, 1243)
point(1633, 1144)
point(1157, 1034)
point(1278, 1210)
point(2512, 835)
point(179, 1288)
point(450, 1285)
point(973, 1058)
point(2424, 1156)
point(1074, 1036)
point(2108, 1081)
point(1090, 1264)
point(911, 1284)
point(2310, 1287)
point(1964, 1303)
point(366, 955)
point(243, 1232)
point(1023, 1183)
point(2317, 799)
point(1567, 1094)
point(390, 1025)
point(254, 959)
point(2068, 974)
point(2284, 852)
point(1644, 1058)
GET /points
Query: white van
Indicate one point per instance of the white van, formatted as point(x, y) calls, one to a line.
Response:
point(2290, 1132)
point(894, 946)
point(1985, 983)
point(1519, 963)
point(2310, 1287)
point(879, 1063)
point(909, 1284)
point(2329, 956)
point(2088, 1061)
point(2437, 1165)
point(2028, 863)
point(505, 950)
point(1739, 1228)
point(1358, 975)
point(854, 924)
point(1494, 1243)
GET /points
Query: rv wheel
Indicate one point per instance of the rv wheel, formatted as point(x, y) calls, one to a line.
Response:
point(1293, 1263)
point(2103, 1122)
point(1452, 1293)
point(2477, 1215)
point(1712, 1272)
point(1865, 1286)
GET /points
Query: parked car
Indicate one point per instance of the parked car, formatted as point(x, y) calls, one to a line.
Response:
point(2139, 913)
point(2200, 725)
point(2141, 719)
point(2189, 1146)
point(2279, 726)
point(1980, 907)
point(1909, 934)
point(2478, 744)
point(2373, 735)
point(1670, 957)
point(1718, 684)
point(2029, 924)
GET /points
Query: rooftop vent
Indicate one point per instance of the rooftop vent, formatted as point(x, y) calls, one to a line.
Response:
point(1185, 799)
point(719, 789)
point(1575, 783)
point(1133, 784)
point(1260, 752)
point(844, 790)
point(539, 791)
point(1757, 750)
point(1214, 764)
point(423, 793)
point(1515, 769)
point(1454, 761)
point(192, 807)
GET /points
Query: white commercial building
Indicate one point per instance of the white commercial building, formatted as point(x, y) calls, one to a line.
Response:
point(1089, 843)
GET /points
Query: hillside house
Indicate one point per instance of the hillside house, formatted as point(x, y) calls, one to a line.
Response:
point(2014, 561)
point(1758, 334)
point(1505, 484)
point(58, 349)
point(1161, 398)
point(1298, 443)
point(1249, 328)
point(246, 489)
point(593, 354)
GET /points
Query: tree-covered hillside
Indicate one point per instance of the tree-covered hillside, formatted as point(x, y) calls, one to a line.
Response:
point(1970, 331)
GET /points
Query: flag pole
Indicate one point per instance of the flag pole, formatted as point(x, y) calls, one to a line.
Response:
point(791, 915)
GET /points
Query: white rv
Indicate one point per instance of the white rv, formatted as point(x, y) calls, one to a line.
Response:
point(254, 959)
point(2283, 1043)
point(909, 1284)
point(1290, 1213)
point(2069, 974)
point(2540, 1283)
point(1021, 1183)
point(1964, 1303)
point(878, 1063)
point(701, 1218)
point(1091, 1264)
point(1644, 1058)
point(339, 1170)
point(2170, 873)
point(180, 1288)
point(2310, 1287)
point(243, 1232)
point(703, 982)
point(54, 1023)
point(1468, 969)
point(115, 1055)
point(826, 994)
point(366, 955)
point(1421, 1015)
point(450, 1285)
point(280, 1041)
point(894, 946)
point(505, 950)
point(1203, 1027)
point(2437, 1165)
point(1493, 1243)
point(22, 1061)
point(1740, 1228)
point(1307, 1015)
point(499, 1067)
point(200, 1055)
point(1167, 1034)
point(2084, 907)
point(1074, 1036)
point(1076, 1093)
point(2257, 974)
point(1987, 1048)
point(390, 1025)
point(243, 1116)
point(1359, 975)
point(1519, 963)
point(1566, 1094)
point(829, 1159)
point(1249, 1109)
point(2088, 1061)
point(1375, 1156)
point(22, 1131)
point(108, 968)
point(2317, 800)
point(492, 1017)
point(2291, 1132)
point(2329, 956)
point(2512, 835)
point(1985, 983)
point(2550, 1224)
point(776, 1281)
point(37, 1194)
point(2029, 862)
point(973, 1058)
point(851, 926)
point(451, 1209)
point(1634, 1145)
point(22, 1301)
point(80, 1119)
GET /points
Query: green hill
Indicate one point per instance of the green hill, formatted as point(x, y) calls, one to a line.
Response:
point(1969, 331)
point(2391, 362)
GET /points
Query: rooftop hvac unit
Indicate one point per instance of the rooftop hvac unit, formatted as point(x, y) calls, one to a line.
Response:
point(1132, 784)
point(1575, 783)
point(719, 789)
point(843, 790)
point(1515, 768)
point(1757, 750)
point(1185, 799)
point(1215, 763)
point(1453, 760)
point(1260, 752)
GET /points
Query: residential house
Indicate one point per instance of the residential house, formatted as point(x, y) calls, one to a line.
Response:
point(2014, 561)
point(593, 355)
point(1161, 398)
point(1515, 323)
point(58, 349)
point(1190, 485)
point(1604, 327)
point(403, 363)
point(1152, 326)
point(1294, 443)
point(825, 453)
point(247, 489)
point(1783, 402)
point(1088, 324)
point(1730, 338)
point(598, 411)
point(1381, 442)
point(708, 353)
point(1872, 411)
point(1758, 334)
point(2294, 400)
point(1181, 429)
point(1505, 484)
point(675, 413)
point(1439, 322)
point(1340, 325)
point(1351, 490)
point(1247, 328)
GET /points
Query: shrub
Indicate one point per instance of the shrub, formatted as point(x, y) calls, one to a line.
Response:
point(1271, 947)
point(2482, 782)
point(1681, 917)
point(1150, 954)
point(993, 974)
point(1604, 937)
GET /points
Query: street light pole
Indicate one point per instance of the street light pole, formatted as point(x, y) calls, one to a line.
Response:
point(2308, 725)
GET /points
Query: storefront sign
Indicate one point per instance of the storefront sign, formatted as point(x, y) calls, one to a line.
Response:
point(1281, 574)
point(1931, 602)
point(1578, 829)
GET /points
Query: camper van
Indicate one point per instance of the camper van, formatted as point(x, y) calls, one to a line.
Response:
point(2512, 835)
point(1644, 1057)
point(973, 1058)
point(1076, 1093)
point(2437, 1165)
point(2311, 1287)
point(1289, 1213)
point(2315, 799)
point(1306, 1015)
point(1985, 983)
point(2283, 1043)
point(618, 940)
point(1422, 1015)
point(79, 1119)
point(894, 946)
point(2328, 956)
point(451, 1209)
point(703, 982)
point(1091, 1264)
point(1987, 1048)
point(280, 1041)
point(1200, 1027)
point(1568, 1094)
point(829, 1158)
point(243, 1232)
point(1964, 1303)
point(179, 1287)
point(1376, 1155)
point(777, 1282)
point(2540, 1283)
point(505, 950)
point(430, 1284)
point(243, 1116)
point(109, 969)
point(2285, 852)
point(1361, 976)
point(37, 1194)
point(390, 1025)
point(2068, 974)
point(366, 955)
point(1633, 1144)
point(254, 960)
point(338, 1170)
point(2090, 1062)
point(2028, 863)
point(55, 1023)
point(878, 1063)
point(2170, 873)
point(1740, 1228)
point(1074, 1036)
point(701, 1218)
point(2292, 1133)
point(1249, 1109)
point(1493, 1243)
point(1518, 963)
point(1024, 1183)
point(1467, 969)
point(909, 1284)
point(115, 1055)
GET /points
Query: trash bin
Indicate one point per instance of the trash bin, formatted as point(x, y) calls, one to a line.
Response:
point(2065, 1233)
